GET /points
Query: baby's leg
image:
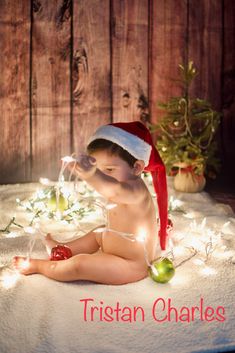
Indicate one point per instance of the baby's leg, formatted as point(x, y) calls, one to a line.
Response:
point(99, 267)
point(86, 244)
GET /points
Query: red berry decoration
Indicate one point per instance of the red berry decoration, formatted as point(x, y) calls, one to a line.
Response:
point(60, 252)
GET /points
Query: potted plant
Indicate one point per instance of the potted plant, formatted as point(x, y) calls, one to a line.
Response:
point(186, 134)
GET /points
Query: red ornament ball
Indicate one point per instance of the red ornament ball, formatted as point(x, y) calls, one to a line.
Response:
point(60, 252)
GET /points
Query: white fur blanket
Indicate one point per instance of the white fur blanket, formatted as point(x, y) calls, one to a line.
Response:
point(42, 315)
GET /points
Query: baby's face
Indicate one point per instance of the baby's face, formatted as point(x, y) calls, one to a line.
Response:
point(113, 166)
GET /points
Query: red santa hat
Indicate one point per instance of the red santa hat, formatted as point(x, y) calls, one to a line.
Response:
point(136, 139)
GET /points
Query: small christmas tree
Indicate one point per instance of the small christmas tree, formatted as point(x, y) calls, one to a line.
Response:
point(186, 131)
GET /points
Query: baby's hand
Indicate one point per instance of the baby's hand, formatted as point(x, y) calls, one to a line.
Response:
point(84, 167)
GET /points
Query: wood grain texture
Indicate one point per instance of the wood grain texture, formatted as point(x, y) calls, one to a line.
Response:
point(51, 41)
point(129, 28)
point(91, 69)
point(205, 48)
point(14, 91)
point(228, 92)
point(168, 49)
point(69, 66)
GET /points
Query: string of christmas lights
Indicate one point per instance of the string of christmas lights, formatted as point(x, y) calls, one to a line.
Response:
point(57, 202)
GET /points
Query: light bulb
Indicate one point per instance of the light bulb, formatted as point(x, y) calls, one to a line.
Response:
point(24, 264)
point(141, 235)
point(44, 181)
point(9, 279)
point(30, 230)
point(110, 206)
point(68, 159)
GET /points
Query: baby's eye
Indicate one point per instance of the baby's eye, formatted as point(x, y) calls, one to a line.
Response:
point(109, 169)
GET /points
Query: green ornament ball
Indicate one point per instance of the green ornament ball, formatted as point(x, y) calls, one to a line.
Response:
point(162, 271)
point(62, 202)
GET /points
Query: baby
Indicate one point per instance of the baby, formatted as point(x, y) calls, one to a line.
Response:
point(116, 156)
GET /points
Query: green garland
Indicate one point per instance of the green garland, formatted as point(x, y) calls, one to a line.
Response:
point(44, 204)
point(41, 205)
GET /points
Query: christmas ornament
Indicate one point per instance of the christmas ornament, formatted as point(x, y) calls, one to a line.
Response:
point(60, 252)
point(162, 271)
point(55, 202)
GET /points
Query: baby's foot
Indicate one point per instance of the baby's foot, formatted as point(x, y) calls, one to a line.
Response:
point(24, 265)
point(50, 243)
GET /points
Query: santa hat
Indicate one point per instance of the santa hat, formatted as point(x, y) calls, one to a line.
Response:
point(136, 139)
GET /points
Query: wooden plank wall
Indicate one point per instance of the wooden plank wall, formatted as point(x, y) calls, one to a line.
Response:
point(129, 28)
point(68, 66)
point(168, 45)
point(91, 96)
point(50, 85)
point(204, 46)
point(14, 91)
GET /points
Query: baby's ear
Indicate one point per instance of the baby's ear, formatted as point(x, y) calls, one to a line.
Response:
point(138, 167)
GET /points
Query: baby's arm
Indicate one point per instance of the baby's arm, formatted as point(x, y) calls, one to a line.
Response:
point(109, 187)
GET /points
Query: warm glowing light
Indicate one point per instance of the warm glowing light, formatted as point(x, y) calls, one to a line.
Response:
point(65, 191)
point(68, 159)
point(75, 207)
point(190, 215)
point(110, 206)
point(37, 226)
point(92, 217)
point(61, 180)
point(58, 215)
point(24, 264)
point(64, 222)
point(223, 255)
point(178, 250)
point(9, 279)
point(195, 227)
point(196, 243)
point(141, 235)
point(99, 230)
point(175, 203)
point(208, 271)
point(198, 262)
point(170, 242)
point(44, 181)
point(12, 235)
point(30, 230)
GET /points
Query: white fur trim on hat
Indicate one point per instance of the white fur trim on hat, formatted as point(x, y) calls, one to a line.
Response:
point(137, 147)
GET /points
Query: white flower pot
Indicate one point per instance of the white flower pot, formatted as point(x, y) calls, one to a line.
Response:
point(187, 181)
